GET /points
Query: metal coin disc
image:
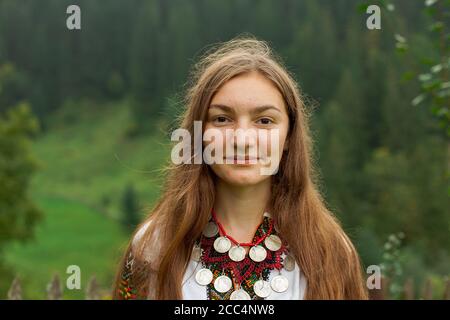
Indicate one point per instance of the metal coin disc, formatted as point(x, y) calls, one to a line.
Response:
point(223, 284)
point(204, 276)
point(279, 283)
point(196, 253)
point(210, 230)
point(257, 253)
point(273, 242)
point(222, 244)
point(240, 294)
point(236, 253)
point(267, 214)
point(262, 288)
point(289, 262)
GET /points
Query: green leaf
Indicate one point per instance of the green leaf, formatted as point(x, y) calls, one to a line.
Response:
point(431, 85)
point(431, 11)
point(445, 85)
point(429, 3)
point(443, 93)
point(442, 112)
point(407, 76)
point(400, 38)
point(436, 68)
point(437, 26)
point(425, 77)
point(417, 100)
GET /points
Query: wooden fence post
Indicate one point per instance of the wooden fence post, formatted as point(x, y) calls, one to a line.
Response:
point(92, 289)
point(15, 292)
point(447, 290)
point(54, 291)
point(427, 293)
point(408, 290)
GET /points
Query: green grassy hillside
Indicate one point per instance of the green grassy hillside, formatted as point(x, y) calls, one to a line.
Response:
point(70, 234)
point(86, 163)
point(87, 157)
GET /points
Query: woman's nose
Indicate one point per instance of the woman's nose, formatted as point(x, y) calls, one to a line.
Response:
point(244, 135)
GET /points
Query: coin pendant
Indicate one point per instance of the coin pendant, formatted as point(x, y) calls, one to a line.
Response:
point(222, 284)
point(236, 253)
point(240, 294)
point(196, 253)
point(222, 244)
point(203, 276)
point(273, 242)
point(257, 253)
point(210, 230)
point(262, 288)
point(267, 214)
point(279, 283)
point(289, 262)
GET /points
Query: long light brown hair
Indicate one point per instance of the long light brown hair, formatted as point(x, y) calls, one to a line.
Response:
point(324, 253)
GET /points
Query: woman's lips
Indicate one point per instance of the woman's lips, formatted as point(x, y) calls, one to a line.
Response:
point(241, 160)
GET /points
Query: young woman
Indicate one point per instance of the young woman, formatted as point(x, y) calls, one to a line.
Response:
point(227, 231)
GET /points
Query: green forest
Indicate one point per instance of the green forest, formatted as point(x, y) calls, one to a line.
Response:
point(86, 117)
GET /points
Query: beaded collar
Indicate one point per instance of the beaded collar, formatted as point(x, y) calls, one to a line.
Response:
point(243, 273)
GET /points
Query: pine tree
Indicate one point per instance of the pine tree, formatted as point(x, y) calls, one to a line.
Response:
point(343, 149)
point(149, 65)
point(18, 213)
point(130, 208)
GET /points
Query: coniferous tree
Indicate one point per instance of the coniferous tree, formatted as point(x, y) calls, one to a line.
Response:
point(130, 209)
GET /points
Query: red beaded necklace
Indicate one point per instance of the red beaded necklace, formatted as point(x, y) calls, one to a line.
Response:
point(222, 231)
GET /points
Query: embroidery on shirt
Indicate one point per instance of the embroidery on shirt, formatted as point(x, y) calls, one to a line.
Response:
point(132, 273)
point(126, 290)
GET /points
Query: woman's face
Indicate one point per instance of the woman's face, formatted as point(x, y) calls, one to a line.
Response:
point(252, 103)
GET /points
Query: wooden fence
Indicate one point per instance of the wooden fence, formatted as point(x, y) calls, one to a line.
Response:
point(54, 290)
point(94, 292)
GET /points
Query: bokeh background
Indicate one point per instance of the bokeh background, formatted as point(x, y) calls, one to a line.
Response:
point(85, 120)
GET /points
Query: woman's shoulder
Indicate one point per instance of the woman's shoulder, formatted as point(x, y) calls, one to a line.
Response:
point(147, 246)
point(141, 230)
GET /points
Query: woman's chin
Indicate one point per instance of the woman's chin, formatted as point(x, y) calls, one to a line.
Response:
point(241, 176)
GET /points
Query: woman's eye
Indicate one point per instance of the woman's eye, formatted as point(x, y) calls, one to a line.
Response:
point(220, 119)
point(265, 121)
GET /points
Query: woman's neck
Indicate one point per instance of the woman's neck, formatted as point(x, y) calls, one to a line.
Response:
point(240, 209)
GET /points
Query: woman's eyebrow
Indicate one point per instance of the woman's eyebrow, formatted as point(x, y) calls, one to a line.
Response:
point(258, 109)
point(222, 106)
point(264, 108)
